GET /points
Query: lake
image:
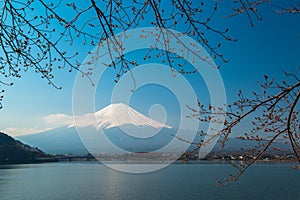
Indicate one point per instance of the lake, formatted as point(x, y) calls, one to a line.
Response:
point(91, 180)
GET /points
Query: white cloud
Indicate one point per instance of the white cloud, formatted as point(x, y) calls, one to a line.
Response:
point(58, 120)
point(14, 131)
point(48, 122)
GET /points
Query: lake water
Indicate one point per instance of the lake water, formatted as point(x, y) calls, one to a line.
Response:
point(91, 180)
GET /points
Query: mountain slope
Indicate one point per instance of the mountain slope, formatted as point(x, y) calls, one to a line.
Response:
point(123, 126)
point(116, 120)
point(63, 140)
point(66, 140)
point(115, 115)
point(14, 152)
point(120, 114)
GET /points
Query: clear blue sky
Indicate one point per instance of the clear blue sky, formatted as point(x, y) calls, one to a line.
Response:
point(269, 47)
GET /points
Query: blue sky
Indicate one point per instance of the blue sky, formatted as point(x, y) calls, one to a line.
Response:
point(269, 47)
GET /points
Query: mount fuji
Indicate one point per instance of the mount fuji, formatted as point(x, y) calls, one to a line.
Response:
point(116, 115)
point(122, 125)
point(120, 114)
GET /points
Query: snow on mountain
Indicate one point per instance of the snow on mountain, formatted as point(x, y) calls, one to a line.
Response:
point(115, 115)
point(122, 125)
point(120, 114)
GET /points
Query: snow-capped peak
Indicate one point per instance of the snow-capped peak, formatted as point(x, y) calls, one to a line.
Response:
point(120, 114)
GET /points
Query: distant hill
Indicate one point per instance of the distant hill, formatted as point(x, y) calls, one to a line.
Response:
point(15, 152)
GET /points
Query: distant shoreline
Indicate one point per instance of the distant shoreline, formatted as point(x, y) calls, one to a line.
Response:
point(144, 157)
point(295, 165)
point(79, 159)
point(38, 161)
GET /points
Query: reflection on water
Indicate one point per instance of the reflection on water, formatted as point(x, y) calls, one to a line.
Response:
point(180, 181)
